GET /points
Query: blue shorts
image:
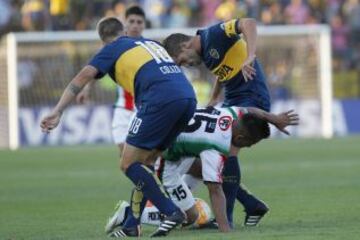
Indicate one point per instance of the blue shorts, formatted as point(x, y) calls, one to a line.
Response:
point(156, 127)
point(251, 100)
point(252, 94)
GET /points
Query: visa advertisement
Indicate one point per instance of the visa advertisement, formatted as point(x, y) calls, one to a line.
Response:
point(92, 125)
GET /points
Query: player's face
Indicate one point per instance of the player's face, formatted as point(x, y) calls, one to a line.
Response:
point(187, 57)
point(135, 25)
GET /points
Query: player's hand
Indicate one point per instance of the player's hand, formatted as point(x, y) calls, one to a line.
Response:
point(286, 119)
point(248, 69)
point(50, 122)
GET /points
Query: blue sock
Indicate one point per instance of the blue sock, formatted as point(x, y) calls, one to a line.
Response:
point(231, 181)
point(246, 199)
point(148, 183)
point(137, 205)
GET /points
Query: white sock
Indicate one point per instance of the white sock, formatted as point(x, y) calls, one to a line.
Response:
point(150, 215)
point(191, 181)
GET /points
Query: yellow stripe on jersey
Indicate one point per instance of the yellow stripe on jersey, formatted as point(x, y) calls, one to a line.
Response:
point(128, 65)
point(230, 28)
point(232, 62)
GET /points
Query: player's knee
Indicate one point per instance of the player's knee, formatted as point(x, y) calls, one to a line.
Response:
point(124, 164)
point(121, 148)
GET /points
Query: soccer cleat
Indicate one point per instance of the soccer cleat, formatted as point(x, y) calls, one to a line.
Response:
point(253, 218)
point(212, 224)
point(126, 232)
point(121, 212)
point(169, 223)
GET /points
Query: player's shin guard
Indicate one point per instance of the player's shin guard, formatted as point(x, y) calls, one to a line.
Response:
point(231, 181)
point(149, 184)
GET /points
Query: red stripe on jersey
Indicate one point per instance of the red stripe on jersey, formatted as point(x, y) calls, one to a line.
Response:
point(160, 170)
point(129, 101)
point(241, 114)
point(223, 160)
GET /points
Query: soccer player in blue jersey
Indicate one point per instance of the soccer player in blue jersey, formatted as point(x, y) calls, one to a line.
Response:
point(165, 101)
point(124, 105)
point(232, 59)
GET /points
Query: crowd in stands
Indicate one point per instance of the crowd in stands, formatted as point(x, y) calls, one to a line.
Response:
point(52, 15)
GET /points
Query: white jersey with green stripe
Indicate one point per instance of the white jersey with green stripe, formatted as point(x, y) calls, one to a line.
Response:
point(210, 128)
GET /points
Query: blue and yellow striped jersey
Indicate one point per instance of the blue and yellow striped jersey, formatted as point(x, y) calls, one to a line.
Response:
point(223, 51)
point(143, 68)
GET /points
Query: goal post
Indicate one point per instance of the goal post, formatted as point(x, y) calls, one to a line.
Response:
point(38, 65)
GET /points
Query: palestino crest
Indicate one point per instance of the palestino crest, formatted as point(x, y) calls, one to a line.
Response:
point(224, 122)
point(214, 53)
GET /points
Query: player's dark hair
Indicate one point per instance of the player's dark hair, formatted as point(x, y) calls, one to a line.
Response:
point(135, 10)
point(256, 128)
point(173, 42)
point(109, 28)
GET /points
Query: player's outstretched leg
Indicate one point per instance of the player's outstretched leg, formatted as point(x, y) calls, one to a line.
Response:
point(255, 209)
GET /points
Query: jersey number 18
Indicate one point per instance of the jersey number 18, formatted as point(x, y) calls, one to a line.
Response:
point(157, 52)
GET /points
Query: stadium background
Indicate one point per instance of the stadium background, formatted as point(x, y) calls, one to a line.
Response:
point(342, 15)
point(291, 73)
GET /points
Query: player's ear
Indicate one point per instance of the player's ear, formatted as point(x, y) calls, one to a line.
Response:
point(239, 137)
point(185, 45)
point(182, 45)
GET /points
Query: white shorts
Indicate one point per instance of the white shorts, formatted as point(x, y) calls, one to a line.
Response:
point(212, 164)
point(120, 124)
point(171, 176)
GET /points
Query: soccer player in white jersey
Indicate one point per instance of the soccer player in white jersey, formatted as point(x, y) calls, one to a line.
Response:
point(124, 104)
point(209, 136)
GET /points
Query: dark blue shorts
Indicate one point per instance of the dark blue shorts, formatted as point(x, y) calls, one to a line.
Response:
point(253, 100)
point(252, 94)
point(156, 127)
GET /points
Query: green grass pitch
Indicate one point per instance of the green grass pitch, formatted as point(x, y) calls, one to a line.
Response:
point(311, 186)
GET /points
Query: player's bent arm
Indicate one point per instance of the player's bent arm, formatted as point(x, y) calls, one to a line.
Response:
point(247, 26)
point(215, 94)
point(87, 74)
point(218, 203)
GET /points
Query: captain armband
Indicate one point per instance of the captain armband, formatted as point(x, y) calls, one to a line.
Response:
point(230, 27)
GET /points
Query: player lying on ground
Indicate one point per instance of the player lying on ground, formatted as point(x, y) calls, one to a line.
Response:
point(232, 59)
point(209, 136)
point(165, 101)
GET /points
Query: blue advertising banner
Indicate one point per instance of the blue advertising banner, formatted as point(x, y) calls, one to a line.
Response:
point(89, 125)
point(79, 125)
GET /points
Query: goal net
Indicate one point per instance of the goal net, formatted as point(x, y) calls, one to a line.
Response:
point(36, 67)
